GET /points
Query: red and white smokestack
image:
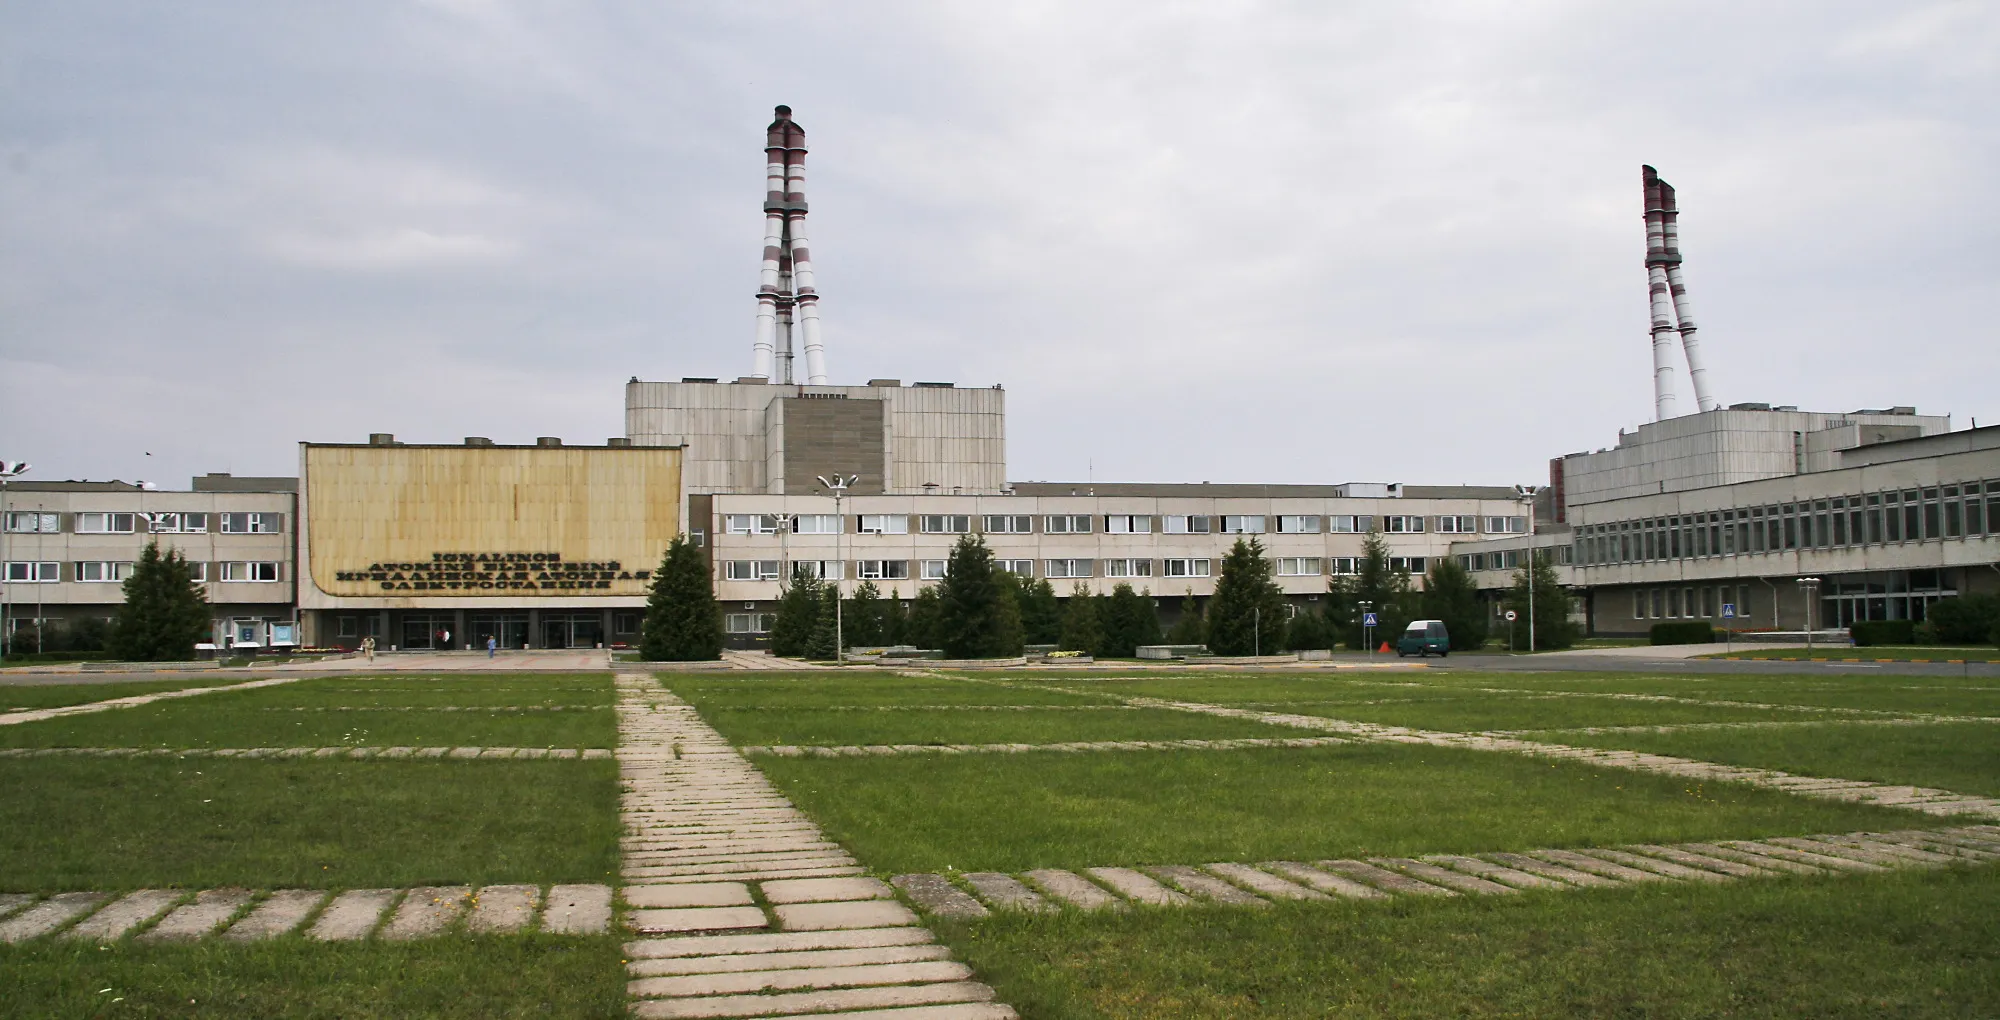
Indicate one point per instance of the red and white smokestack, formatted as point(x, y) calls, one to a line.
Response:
point(1683, 311)
point(1656, 280)
point(787, 303)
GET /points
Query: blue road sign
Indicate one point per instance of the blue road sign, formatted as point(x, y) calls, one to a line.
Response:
point(1729, 610)
point(1368, 620)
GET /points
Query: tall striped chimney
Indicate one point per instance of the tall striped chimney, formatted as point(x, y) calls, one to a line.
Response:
point(1656, 282)
point(1683, 312)
point(787, 304)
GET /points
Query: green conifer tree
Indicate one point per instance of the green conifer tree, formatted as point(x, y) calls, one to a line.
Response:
point(1247, 613)
point(1041, 612)
point(1129, 621)
point(977, 616)
point(1191, 628)
point(1081, 629)
point(1451, 595)
point(798, 614)
point(921, 628)
point(1553, 628)
point(165, 613)
point(825, 635)
point(683, 621)
point(865, 617)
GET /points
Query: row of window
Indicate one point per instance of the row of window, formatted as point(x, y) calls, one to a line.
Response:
point(1510, 559)
point(51, 572)
point(934, 570)
point(1911, 515)
point(39, 522)
point(1689, 603)
point(1119, 524)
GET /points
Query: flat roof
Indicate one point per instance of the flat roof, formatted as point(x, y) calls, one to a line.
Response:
point(1251, 490)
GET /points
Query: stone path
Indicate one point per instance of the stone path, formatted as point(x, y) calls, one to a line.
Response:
point(1914, 798)
point(746, 908)
point(975, 895)
point(438, 708)
point(867, 750)
point(764, 660)
point(1752, 724)
point(176, 915)
point(281, 753)
point(44, 714)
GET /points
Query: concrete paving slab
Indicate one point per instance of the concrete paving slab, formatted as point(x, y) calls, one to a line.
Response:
point(690, 894)
point(1814, 846)
point(577, 910)
point(48, 915)
point(1382, 878)
point(794, 1003)
point(781, 961)
point(351, 915)
point(1073, 889)
point(128, 912)
point(1264, 883)
point(797, 979)
point(959, 1011)
point(1443, 876)
point(1698, 861)
point(1332, 885)
point(1500, 873)
point(856, 914)
point(1754, 860)
point(1205, 886)
point(1006, 892)
point(10, 902)
point(825, 890)
point(1137, 887)
point(936, 895)
point(210, 908)
point(693, 919)
point(280, 913)
point(786, 942)
point(427, 911)
point(1522, 862)
point(1658, 866)
point(1600, 868)
point(500, 908)
point(1893, 849)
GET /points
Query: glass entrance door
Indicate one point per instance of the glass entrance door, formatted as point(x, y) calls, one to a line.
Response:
point(572, 630)
point(511, 630)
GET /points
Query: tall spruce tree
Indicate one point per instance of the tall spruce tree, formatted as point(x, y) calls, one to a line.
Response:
point(895, 619)
point(826, 633)
point(1129, 621)
point(683, 621)
point(798, 615)
point(1192, 627)
point(1553, 628)
point(864, 617)
point(165, 613)
point(921, 627)
point(1082, 631)
point(1041, 612)
point(977, 616)
point(1373, 589)
point(1451, 595)
point(1247, 612)
point(1307, 629)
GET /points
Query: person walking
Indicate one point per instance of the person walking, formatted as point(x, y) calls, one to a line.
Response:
point(368, 648)
point(491, 644)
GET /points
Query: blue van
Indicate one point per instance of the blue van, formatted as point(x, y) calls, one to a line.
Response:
point(1424, 637)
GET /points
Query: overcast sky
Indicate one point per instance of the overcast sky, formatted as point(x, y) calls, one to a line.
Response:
point(1228, 241)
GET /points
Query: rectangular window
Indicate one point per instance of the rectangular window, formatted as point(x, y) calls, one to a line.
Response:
point(946, 524)
point(735, 524)
point(932, 570)
point(1298, 566)
point(1975, 521)
point(1066, 524)
point(1344, 564)
point(28, 522)
point(1839, 522)
point(1708, 602)
point(1911, 511)
point(347, 626)
point(1128, 568)
point(815, 524)
point(1185, 568)
point(1507, 525)
point(1951, 520)
point(1067, 568)
point(253, 571)
point(1401, 524)
point(1128, 524)
point(1341, 524)
point(1007, 524)
point(198, 572)
point(1659, 604)
point(882, 570)
point(259, 524)
point(1298, 524)
point(1019, 568)
point(750, 623)
point(624, 623)
point(738, 570)
point(1187, 524)
point(1638, 604)
point(824, 570)
point(1413, 564)
point(34, 572)
point(1458, 525)
point(884, 524)
point(105, 524)
point(102, 571)
point(1892, 520)
point(1242, 524)
point(178, 524)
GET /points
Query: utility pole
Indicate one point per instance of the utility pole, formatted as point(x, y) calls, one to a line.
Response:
point(839, 486)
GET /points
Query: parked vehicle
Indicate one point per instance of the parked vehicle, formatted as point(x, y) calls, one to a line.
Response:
point(1424, 637)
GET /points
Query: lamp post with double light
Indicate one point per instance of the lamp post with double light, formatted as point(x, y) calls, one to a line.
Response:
point(1810, 586)
point(838, 485)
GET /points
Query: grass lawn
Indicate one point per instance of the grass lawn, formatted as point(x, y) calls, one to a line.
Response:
point(1014, 812)
point(818, 690)
point(1961, 757)
point(1898, 653)
point(111, 824)
point(563, 978)
point(1475, 712)
point(17, 696)
point(204, 723)
point(1030, 726)
point(1923, 944)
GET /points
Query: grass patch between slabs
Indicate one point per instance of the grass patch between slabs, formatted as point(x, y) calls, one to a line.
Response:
point(110, 824)
point(1961, 757)
point(564, 978)
point(1054, 810)
point(819, 690)
point(1923, 944)
point(16, 697)
point(1030, 726)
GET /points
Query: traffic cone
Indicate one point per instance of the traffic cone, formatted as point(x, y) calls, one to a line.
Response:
point(1384, 648)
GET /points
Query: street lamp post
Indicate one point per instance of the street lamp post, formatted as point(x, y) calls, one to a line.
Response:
point(839, 486)
point(1810, 586)
point(9, 470)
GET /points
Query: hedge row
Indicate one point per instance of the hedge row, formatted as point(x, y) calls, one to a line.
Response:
point(1883, 632)
point(1692, 632)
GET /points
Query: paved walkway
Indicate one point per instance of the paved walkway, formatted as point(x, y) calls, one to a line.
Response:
point(44, 714)
point(278, 753)
point(749, 910)
point(581, 660)
point(978, 894)
point(244, 915)
point(1915, 798)
point(867, 750)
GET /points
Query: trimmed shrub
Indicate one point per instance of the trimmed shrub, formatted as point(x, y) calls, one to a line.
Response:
point(1966, 620)
point(1692, 632)
point(1883, 632)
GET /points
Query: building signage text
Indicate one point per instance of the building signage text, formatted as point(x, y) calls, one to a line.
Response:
point(461, 571)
